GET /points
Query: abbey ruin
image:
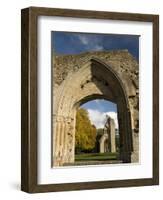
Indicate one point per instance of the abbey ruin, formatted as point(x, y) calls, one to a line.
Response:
point(77, 79)
point(107, 141)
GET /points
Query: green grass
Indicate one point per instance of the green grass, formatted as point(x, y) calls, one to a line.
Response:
point(96, 156)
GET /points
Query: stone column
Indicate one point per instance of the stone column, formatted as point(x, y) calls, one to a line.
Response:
point(112, 135)
point(65, 140)
point(101, 146)
point(102, 142)
point(56, 145)
point(135, 153)
point(126, 146)
point(135, 137)
point(60, 138)
point(68, 140)
point(135, 132)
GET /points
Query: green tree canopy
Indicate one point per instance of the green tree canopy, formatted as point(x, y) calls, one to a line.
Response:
point(85, 136)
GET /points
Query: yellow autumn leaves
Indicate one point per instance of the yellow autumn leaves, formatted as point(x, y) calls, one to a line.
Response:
point(85, 136)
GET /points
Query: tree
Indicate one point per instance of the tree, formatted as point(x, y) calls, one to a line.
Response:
point(85, 136)
point(99, 133)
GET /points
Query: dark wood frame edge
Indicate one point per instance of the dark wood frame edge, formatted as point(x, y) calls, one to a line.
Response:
point(29, 99)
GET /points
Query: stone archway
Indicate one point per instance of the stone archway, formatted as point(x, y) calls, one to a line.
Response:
point(95, 79)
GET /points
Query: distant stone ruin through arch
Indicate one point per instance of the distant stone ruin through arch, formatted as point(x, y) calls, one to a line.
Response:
point(89, 79)
point(107, 142)
point(101, 115)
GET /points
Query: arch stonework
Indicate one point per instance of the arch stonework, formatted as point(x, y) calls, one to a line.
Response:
point(80, 78)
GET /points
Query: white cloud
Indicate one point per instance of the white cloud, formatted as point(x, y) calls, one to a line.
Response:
point(99, 118)
point(91, 43)
point(114, 116)
point(98, 48)
point(83, 39)
point(97, 100)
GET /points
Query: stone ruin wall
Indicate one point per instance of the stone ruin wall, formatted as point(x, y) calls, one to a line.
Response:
point(122, 62)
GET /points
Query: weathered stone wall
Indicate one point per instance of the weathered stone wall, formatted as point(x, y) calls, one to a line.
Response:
point(122, 62)
point(75, 81)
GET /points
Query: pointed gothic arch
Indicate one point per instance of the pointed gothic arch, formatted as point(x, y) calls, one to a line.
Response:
point(95, 79)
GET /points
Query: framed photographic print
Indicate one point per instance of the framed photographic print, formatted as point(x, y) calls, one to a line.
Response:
point(90, 100)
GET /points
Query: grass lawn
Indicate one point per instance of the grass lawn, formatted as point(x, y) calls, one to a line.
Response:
point(96, 156)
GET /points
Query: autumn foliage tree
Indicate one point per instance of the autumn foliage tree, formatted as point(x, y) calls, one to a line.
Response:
point(85, 136)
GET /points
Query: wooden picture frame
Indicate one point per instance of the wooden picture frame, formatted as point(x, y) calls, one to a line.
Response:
point(29, 112)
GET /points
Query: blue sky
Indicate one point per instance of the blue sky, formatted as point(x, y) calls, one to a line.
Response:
point(98, 111)
point(75, 43)
point(101, 105)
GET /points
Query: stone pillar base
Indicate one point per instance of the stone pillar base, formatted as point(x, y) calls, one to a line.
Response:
point(125, 157)
point(135, 157)
point(135, 153)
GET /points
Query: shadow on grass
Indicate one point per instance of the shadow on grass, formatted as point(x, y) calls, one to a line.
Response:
point(96, 156)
